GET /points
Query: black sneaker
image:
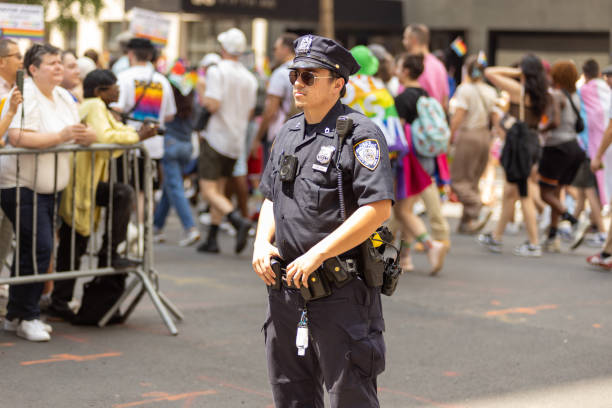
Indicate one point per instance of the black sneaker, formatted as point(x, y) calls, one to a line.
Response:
point(209, 246)
point(122, 263)
point(242, 226)
point(61, 310)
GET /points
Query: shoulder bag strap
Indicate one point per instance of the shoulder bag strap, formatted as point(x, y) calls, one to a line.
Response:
point(484, 105)
point(522, 105)
point(569, 97)
point(125, 115)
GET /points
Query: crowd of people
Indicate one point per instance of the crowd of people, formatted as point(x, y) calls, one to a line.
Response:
point(547, 126)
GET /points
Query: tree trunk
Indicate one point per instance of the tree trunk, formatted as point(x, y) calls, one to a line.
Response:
point(326, 18)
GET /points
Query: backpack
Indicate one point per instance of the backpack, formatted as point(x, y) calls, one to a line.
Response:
point(99, 295)
point(430, 132)
point(520, 149)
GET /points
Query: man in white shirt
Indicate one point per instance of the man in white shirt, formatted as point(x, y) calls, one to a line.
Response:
point(279, 99)
point(11, 61)
point(230, 98)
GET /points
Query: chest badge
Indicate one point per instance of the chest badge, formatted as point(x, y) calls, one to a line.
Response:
point(325, 154)
point(367, 153)
point(323, 158)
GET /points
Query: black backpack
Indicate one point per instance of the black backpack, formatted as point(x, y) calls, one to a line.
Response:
point(519, 152)
point(99, 295)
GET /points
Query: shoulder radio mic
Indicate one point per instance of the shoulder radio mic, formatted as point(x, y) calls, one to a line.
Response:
point(19, 80)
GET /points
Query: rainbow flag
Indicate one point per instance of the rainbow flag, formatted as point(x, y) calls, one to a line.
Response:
point(459, 47)
point(482, 58)
point(34, 35)
point(158, 41)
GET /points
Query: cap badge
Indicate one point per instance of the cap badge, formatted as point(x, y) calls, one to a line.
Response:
point(304, 46)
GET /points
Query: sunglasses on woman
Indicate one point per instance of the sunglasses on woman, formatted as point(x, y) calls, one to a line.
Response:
point(306, 77)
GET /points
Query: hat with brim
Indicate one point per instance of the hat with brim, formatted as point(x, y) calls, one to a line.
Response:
point(306, 62)
point(312, 51)
point(138, 43)
point(364, 57)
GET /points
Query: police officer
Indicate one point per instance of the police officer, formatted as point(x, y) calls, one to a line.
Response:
point(335, 340)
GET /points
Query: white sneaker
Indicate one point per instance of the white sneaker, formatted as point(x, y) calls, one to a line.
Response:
point(33, 330)
point(552, 245)
point(12, 325)
point(158, 237)
point(436, 255)
point(580, 232)
point(528, 250)
point(596, 240)
point(191, 237)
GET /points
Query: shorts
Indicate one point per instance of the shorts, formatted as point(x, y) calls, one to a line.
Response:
point(559, 164)
point(585, 178)
point(212, 165)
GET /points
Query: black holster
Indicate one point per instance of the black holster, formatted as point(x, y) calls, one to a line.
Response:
point(318, 285)
point(373, 264)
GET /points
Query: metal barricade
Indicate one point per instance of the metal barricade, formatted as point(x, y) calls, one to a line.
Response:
point(144, 279)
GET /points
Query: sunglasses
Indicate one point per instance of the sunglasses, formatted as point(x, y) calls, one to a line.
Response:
point(306, 77)
point(16, 54)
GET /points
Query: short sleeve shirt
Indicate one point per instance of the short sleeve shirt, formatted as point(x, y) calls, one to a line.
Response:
point(478, 100)
point(307, 209)
point(280, 86)
point(156, 104)
point(434, 79)
point(43, 115)
point(236, 88)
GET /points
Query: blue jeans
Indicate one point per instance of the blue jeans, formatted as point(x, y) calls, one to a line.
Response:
point(176, 155)
point(23, 299)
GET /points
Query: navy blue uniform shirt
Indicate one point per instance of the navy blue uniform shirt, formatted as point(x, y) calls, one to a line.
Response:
point(308, 209)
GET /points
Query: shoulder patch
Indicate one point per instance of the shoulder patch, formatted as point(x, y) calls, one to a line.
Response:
point(367, 153)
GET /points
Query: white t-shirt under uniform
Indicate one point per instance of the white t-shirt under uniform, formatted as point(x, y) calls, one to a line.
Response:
point(42, 115)
point(156, 104)
point(236, 88)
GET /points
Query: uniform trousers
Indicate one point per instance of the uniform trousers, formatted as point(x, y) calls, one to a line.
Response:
point(468, 166)
point(440, 230)
point(346, 351)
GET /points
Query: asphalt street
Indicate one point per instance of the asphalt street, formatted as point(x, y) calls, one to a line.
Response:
point(493, 330)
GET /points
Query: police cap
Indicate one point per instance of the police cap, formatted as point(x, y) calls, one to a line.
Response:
point(312, 51)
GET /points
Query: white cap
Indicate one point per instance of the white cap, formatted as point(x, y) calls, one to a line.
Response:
point(124, 37)
point(86, 65)
point(233, 41)
point(209, 59)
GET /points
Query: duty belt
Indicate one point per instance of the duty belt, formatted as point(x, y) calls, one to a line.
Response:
point(336, 270)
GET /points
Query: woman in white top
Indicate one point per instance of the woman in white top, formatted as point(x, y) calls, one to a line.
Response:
point(472, 107)
point(50, 118)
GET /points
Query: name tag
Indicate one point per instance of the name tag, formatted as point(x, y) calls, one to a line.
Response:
point(318, 167)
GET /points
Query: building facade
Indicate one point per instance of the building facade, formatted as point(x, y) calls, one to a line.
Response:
point(506, 30)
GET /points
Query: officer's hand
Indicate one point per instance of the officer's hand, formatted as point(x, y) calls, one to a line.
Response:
point(262, 252)
point(300, 269)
